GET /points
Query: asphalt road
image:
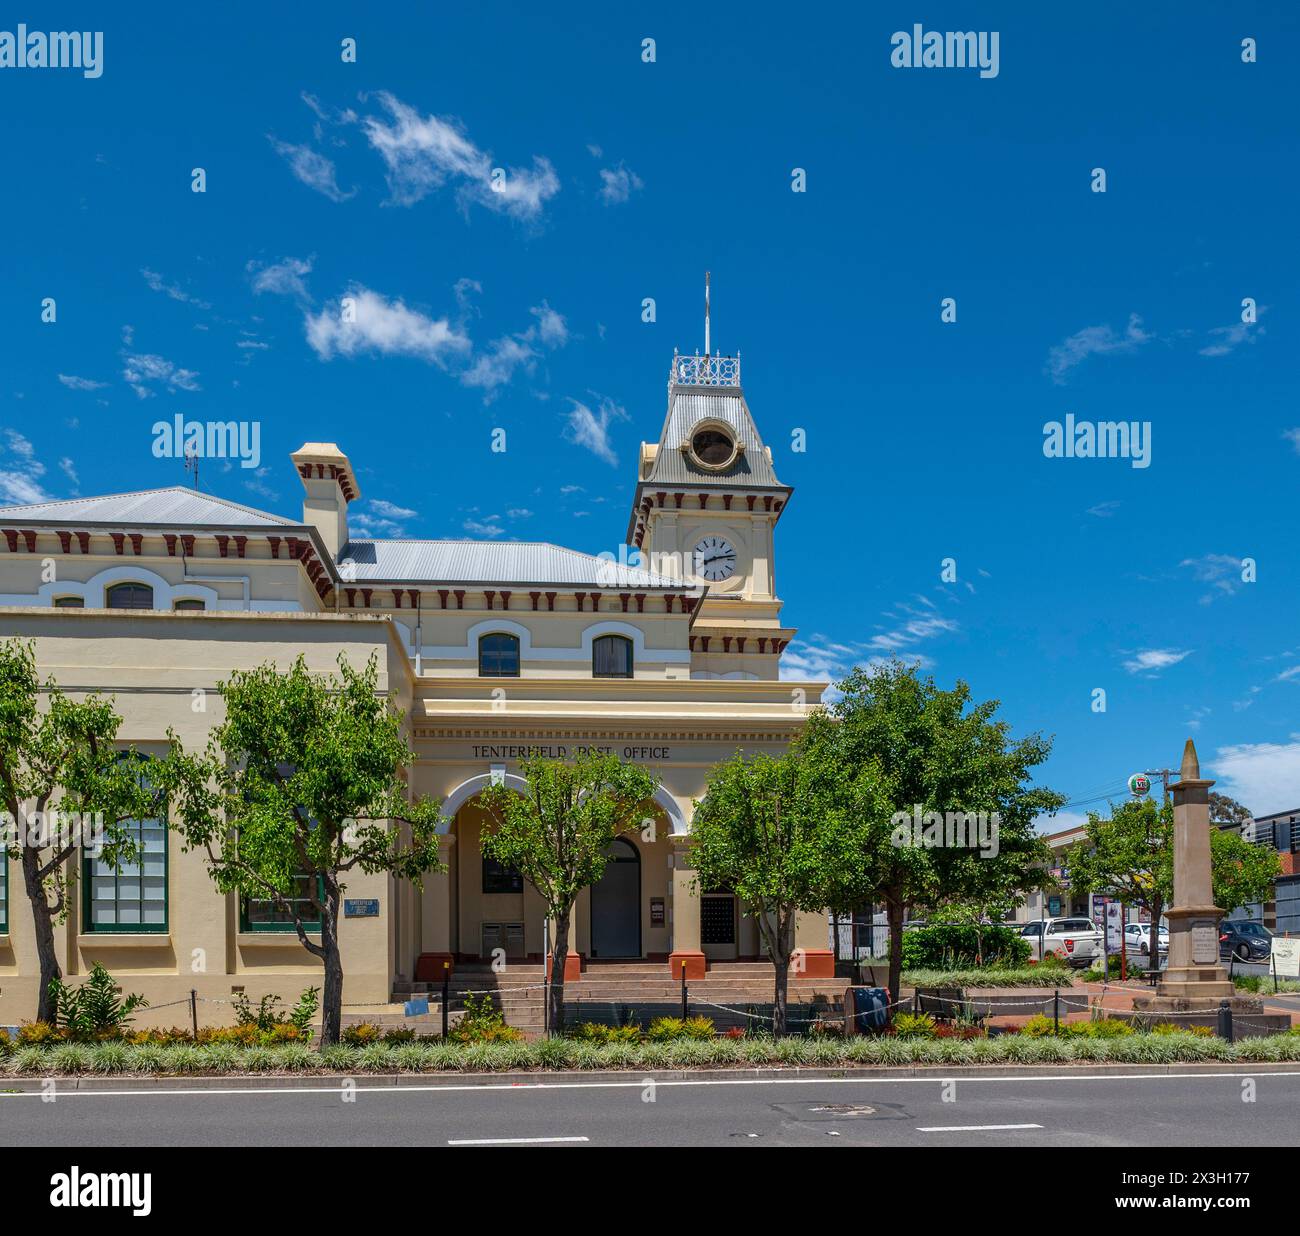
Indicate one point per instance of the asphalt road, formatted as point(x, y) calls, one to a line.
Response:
point(1131, 1110)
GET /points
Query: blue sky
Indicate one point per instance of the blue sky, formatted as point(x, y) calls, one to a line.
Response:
point(626, 180)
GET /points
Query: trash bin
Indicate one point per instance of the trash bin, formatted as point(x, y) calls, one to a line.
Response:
point(865, 1009)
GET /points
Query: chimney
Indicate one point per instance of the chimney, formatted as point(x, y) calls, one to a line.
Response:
point(327, 477)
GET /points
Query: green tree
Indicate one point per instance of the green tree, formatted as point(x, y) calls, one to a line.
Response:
point(64, 782)
point(773, 832)
point(932, 751)
point(1129, 855)
point(1228, 811)
point(557, 835)
point(300, 784)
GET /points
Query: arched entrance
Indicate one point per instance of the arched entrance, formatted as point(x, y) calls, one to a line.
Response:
point(616, 904)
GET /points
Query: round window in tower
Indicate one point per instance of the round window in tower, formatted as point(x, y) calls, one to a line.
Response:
point(713, 446)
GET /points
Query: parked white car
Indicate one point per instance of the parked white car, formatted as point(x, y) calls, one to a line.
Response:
point(1137, 938)
point(1077, 941)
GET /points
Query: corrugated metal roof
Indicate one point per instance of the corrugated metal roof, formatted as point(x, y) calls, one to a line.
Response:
point(175, 506)
point(490, 562)
point(687, 408)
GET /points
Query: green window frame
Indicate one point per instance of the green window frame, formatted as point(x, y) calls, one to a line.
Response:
point(135, 899)
point(264, 914)
point(498, 655)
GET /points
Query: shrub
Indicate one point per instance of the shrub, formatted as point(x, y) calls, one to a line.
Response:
point(597, 1032)
point(362, 1034)
point(38, 1034)
point(1038, 1026)
point(158, 1037)
point(483, 1022)
point(1101, 1028)
point(93, 1010)
point(914, 1026)
point(698, 1028)
point(1168, 1027)
point(947, 946)
point(399, 1035)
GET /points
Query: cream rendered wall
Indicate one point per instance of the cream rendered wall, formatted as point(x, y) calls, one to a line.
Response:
point(162, 670)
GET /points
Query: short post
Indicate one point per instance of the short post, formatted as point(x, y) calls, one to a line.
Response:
point(1273, 959)
point(685, 998)
point(1056, 1011)
point(1225, 1021)
point(194, 1012)
point(446, 994)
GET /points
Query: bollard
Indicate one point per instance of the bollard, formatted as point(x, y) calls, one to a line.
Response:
point(685, 1005)
point(1056, 1011)
point(1225, 1021)
point(446, 994)
point(194, 1012)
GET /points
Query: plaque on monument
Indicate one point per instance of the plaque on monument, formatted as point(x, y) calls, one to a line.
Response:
point(1205, 942)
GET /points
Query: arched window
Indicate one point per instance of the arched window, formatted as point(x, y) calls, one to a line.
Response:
point(611, 657)
point(498, 656)
point(189, 603)
point(131, 896)
point(129, 596)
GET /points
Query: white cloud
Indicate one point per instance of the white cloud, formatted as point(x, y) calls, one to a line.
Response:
point(81, 384)
point(913, 624)
point(390, 510)
point(312, 168)
point(1221, 571)
point(496, 366)
point(1061, 821)
point(141, 369)
point(1151, 661)
point(1293, 436)
point(1104, 510)
point(618, 184)
point(384, 326)
point(376, 517)
point(69, 469)
point(1265, 775)
point(20, 471)
point(424, 153)
point(591, 429)
point(519, 512)
point(1231, 336)
point(283, 278)
point(1095, 341)
point(158, 284)
point(488, 527)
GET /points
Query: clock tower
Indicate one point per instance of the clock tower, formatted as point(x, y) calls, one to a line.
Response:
point(705, 510)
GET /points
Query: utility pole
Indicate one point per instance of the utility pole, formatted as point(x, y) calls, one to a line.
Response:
point(706, 313)
point(192, 464)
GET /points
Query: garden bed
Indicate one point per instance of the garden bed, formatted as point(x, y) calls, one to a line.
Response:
point(122, 1059)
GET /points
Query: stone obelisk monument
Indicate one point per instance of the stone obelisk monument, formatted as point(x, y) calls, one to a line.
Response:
point(1194, 981)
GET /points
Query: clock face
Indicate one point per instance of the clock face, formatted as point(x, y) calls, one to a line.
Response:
point(715, 559)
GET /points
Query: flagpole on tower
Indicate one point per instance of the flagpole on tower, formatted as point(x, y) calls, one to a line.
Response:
point(706, 313)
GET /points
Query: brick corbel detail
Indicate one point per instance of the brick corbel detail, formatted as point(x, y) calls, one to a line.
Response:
point(351, 594)
point(274, 542)
point(740, 643)
point(704, 501)
point(397, 598)
point(726, 643)
point(505, 600)
point(640, 602)
point(491, 596)
point(460, 597)
point(582, 596)
point(119, 540)
point(11, 535)
point(136, 539)
point(534, 597)
point(443, 593)
point(550, 600)
point(678, 499)
point(762, 643)
point(704, 643)
point(750, 499)
point(669, 598)
point(170, 538)
point(692, 642)
point(624, 598)
point(83, 539)
point(366, 594)
point(223, 545)
point(241, 544)
point(187, 544)
point(29, 535)
point(726, 502)
point(688, 604)
point(767, 502)
point(65, 542)
point(413, 596)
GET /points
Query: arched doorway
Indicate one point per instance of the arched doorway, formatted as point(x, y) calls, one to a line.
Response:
point(616, 904)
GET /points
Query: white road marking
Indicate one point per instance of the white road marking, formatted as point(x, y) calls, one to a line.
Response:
point(972, 1128)
point(511, 1141)
point(636, 1084)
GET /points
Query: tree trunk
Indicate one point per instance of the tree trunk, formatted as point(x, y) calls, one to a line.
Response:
point(779, 1005)
point(332, 998)
point(1157, 909)
point(555, 987)
point(894, 912)
point(43, 921)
